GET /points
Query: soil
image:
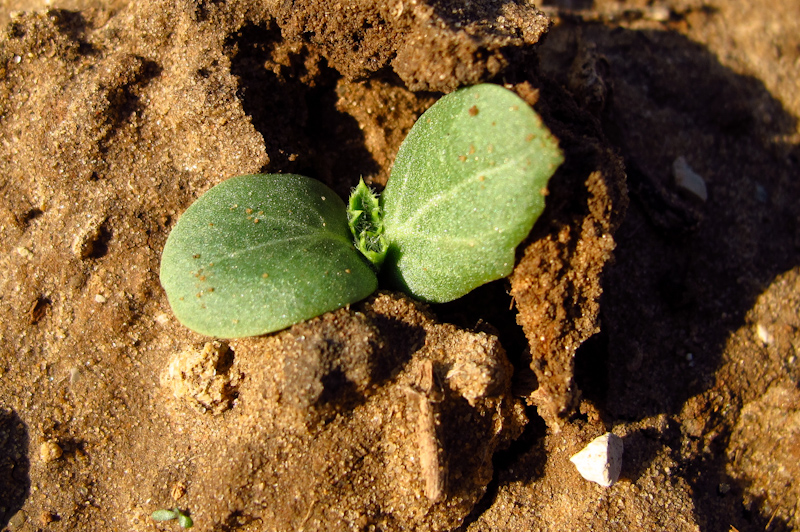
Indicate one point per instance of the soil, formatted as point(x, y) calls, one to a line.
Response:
point(656, 298)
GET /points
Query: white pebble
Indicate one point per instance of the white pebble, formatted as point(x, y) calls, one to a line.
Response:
point(764, 335)
point(688, 179)
point(24, 252)
point(74, 376)
point(601, 460)
point(658, 13)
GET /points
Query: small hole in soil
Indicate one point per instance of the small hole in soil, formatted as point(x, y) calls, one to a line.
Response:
point(523, 461)
point(39, 309)
point(100, 244)
point(225, 360)
point(31, 215)
point(591, 368)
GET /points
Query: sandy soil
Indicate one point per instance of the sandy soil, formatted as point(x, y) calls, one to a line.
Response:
point(665, 313)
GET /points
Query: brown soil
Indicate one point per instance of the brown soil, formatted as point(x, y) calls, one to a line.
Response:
point(636, 306)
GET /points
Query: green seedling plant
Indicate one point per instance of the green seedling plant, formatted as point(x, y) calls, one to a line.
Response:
point(258, 253)
point(168, 515)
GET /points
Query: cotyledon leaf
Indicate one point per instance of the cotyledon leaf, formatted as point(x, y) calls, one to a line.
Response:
point(258, 253)
point(467, 186)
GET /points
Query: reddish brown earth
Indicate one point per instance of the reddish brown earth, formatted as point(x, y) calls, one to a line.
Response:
point(636, 306)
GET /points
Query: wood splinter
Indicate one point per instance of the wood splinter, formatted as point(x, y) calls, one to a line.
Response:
point(432, 465)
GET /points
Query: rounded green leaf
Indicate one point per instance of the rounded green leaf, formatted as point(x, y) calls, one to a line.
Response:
point(258, 253)
point(467, 186)
point(184, 520)
point(164, 515)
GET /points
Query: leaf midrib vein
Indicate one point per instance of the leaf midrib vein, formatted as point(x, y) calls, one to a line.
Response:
point(316, 236)
point(433, 202)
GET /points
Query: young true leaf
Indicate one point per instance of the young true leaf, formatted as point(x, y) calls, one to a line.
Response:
point(467, 186)
point(258, 253)
point(184, 520)
point(366, 223)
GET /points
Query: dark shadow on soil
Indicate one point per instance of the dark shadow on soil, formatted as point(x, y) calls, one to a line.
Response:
point(457, 12)
point(591, 368)
point(641, 447)
point(572, 5)
point(73, 24)
point(687, 272)
point(291, 97)
point(488, 308)
point(523, 461)
point(401, 341)
point(15, 482)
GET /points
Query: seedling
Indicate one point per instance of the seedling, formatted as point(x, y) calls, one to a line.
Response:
point(168, 515)
point(258, 253)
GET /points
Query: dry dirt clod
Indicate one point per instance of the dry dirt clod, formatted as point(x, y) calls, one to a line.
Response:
point(17, 520)
point(45, 518)
point(348, 409)
point(178, 490)
point(204, 380)
point(50, 451)
point(763, 451)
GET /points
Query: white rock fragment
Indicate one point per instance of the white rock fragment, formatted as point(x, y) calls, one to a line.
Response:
point(601, 460)
point(764, 335)
point(658, 13)
point(688, 179)
point(74, 376)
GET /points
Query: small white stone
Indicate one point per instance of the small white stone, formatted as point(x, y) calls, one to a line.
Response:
point(764, 335)
point(601, 460)
point(688, 179)
point(74, 375)
point(658, 13)
point(100, 298)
